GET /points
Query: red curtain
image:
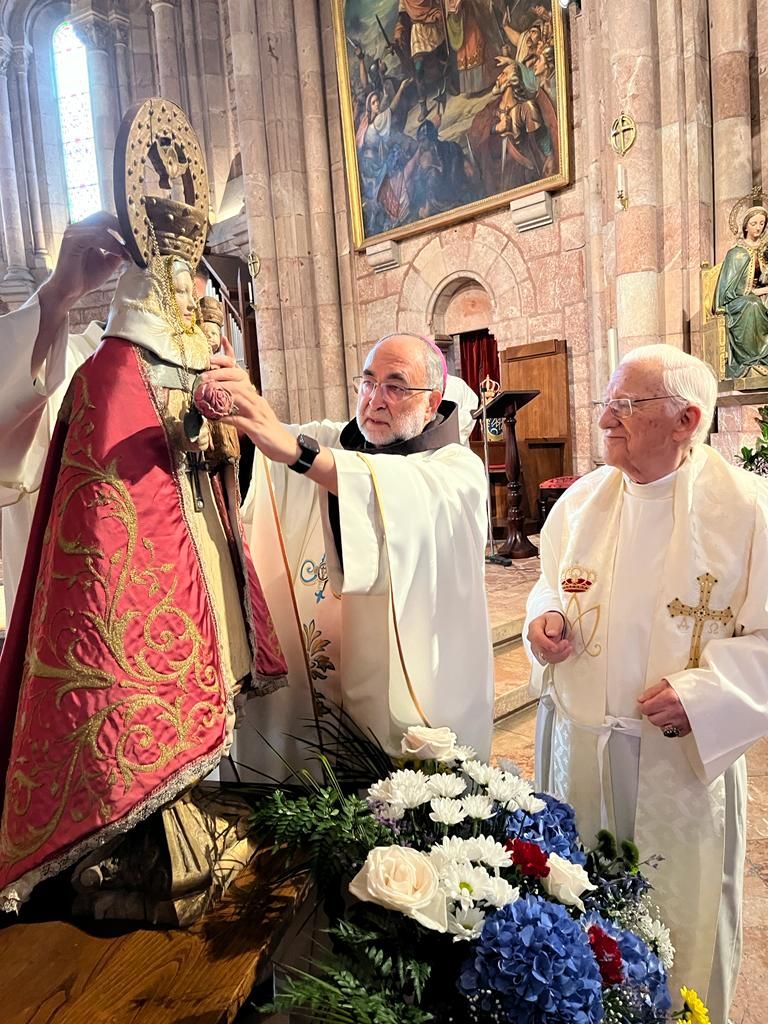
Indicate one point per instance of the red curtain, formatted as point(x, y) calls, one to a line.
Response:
point(479, 359)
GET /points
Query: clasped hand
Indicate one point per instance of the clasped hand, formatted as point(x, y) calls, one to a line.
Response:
point(663, 708)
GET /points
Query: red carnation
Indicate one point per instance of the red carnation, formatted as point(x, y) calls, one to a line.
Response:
point(608, 955)
point(213, 401)
point(529, 858)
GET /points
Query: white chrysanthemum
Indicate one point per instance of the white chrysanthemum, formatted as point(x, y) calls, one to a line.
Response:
point(393, 811)
point(489, 852)
point(466, 923)
point(499, 892)
point(480, 772)
point(446, 785)
point(656, 935)
point(451, 850)
point(464, 882)
point(461, 754)
point(531, 804)
point(478, 807)
point(446, 811)
point(507, 789)
point(406, 787)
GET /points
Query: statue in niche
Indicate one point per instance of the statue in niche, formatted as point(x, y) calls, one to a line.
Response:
point(147, 623)
point(742, 291)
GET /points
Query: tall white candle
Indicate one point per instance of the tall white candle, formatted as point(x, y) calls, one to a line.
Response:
point(613, 350)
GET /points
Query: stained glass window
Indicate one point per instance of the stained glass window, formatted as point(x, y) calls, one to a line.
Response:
point(73, 91)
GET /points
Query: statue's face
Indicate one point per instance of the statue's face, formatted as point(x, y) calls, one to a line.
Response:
point(213, 334)
point(755, 226)
point(184, 290)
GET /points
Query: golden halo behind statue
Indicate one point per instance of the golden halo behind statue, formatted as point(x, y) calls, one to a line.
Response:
point(755, 198)
point(161, 184)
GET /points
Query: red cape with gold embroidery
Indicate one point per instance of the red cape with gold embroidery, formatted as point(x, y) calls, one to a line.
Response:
point(112, 701)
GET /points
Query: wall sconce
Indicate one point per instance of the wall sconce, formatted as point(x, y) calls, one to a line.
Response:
point(621, 186)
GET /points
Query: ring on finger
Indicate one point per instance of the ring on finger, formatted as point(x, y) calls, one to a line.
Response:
point(671, 731)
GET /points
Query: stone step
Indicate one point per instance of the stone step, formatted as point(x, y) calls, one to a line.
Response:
point(511, 670)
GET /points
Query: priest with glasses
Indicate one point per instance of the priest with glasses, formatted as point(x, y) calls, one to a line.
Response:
point(648, 631)
point(369, 540)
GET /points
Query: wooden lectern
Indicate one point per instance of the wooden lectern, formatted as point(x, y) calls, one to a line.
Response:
point(506, 406)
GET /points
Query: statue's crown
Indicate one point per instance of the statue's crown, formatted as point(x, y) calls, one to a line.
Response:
point(178, 228)
point(577, 580)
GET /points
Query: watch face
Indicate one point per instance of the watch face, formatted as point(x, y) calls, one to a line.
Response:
point(309, 443)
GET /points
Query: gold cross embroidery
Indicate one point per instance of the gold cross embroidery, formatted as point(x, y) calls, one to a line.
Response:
point(701, 614)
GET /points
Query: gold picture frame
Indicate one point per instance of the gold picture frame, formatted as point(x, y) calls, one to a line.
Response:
point(435, 136)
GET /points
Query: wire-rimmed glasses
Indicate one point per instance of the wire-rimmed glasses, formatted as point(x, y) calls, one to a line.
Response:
point(622, 408)
point(390, 392)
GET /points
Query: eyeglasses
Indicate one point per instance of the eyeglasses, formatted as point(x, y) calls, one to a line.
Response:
point(389, 392)
point(622, 408)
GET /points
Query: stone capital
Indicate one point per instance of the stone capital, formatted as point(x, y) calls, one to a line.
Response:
point(6, 50)
point(158, 5)
point(21, 57)
point(383, 255)
point(121, 29)
point(93, 30)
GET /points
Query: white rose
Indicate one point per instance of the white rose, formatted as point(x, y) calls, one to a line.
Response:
point(566, 881)
point(404, 880)
point(429, 744)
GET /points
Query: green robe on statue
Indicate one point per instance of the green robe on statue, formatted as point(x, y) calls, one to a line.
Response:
point(746, 316)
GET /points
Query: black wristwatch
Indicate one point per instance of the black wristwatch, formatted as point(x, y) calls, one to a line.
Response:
point(309, 451)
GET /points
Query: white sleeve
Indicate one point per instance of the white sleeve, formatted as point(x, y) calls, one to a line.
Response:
point(726, 697)
point(24, 400)
point(545, 596)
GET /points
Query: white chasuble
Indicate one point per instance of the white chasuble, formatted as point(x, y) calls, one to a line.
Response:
point(697, 566)
point(395, 627)
point(27, 418)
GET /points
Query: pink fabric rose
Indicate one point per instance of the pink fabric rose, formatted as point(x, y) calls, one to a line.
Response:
point(213, 401)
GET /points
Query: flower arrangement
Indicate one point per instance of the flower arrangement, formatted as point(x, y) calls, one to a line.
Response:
point(455, 893)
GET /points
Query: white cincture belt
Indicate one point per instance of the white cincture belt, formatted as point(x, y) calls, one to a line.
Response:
point(603, 731)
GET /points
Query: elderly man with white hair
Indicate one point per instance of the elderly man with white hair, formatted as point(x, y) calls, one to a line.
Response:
point(649, 626)
point(369, 540)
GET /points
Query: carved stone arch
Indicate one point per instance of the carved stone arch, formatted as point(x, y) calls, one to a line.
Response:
point(461, 302)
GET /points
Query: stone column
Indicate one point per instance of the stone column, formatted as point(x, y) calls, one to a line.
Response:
point(731, 131)
point(632, 50)
point(21, 56)
point(95, 33)
point(321, 217)
point(17, 281)
point(121, 34)
point(166, 35)
point(249, 97)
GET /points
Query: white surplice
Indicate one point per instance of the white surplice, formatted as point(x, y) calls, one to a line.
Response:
point(400, 634)
point(28, 412)
point(615, 557)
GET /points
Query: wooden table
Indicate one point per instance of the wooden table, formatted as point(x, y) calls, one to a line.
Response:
point(56, 972)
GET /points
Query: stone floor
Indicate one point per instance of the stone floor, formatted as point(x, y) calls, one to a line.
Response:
point(513, 739)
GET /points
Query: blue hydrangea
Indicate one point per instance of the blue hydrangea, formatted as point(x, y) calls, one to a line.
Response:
point(643, 971)
point(533, 965)
point(553, 829)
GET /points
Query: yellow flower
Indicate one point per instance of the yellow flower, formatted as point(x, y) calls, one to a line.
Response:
point(695, 1010)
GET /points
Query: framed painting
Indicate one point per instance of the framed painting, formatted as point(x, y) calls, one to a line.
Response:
point(449, 108)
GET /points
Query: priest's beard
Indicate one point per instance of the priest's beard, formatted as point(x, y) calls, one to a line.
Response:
point(406, 425)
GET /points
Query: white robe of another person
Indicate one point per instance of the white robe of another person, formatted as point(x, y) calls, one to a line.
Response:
point(28, 412)
point(615, 557)
point(400, 635)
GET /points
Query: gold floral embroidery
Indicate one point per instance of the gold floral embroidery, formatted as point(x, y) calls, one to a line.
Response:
point(162, 694)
